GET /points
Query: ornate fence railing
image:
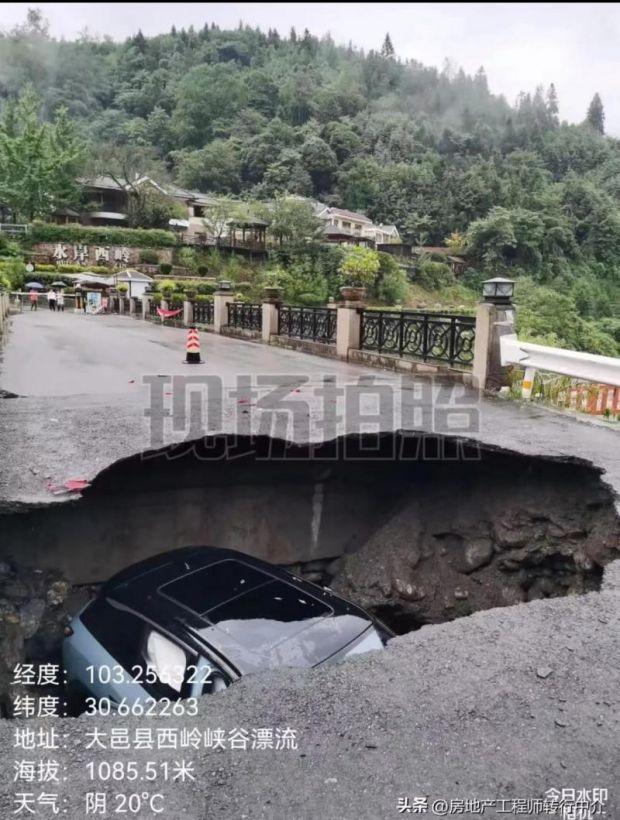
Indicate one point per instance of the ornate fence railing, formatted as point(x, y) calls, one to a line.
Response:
point(248, 317)
point(137, 307)
point(115, 304)
point(126, 304)
point(315, 324)
point(153, 305)
point(175, 321)
point(429, 336)
point(203, 313)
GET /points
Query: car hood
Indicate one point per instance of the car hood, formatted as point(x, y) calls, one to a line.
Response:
point(260, 643)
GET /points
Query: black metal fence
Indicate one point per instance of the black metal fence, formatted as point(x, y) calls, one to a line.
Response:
point(315, 324)
point(248, 317)
point(175, 321)
point(203, 313)
point(428, 336)
point(125, 304)
point(137, 307)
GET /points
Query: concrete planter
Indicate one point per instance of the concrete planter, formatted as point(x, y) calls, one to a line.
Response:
point(352, 293)
point(271, 294)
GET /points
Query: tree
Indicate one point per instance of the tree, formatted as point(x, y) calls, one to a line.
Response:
point(216, 167)
point(219, 216)
point(360, 266)
point(595, 117)
point(387, 49)
point(294, 223)
point(136, 170)
point(39, 161)
point(552, 101)
point(320, 162)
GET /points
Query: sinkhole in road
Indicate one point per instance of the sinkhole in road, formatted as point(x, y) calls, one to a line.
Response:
point(429, 526)
point(418, 529)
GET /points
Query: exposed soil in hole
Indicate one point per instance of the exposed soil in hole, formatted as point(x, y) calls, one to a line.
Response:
point(419, 530)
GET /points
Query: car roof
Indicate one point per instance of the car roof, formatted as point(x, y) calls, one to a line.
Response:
point(208, 593)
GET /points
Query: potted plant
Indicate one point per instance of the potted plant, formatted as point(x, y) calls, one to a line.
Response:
point(167, 287)
point(358, 270)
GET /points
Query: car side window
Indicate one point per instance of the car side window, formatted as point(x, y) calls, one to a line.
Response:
point(126, 637)
point(118, 631)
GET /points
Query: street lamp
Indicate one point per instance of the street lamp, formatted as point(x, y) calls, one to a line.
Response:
point(225, 284)
point(498, 291)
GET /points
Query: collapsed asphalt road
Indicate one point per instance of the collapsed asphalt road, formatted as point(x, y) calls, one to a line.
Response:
point(504, 704)
point(82, 402)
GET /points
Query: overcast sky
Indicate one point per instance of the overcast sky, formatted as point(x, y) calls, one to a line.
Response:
point(576, 46)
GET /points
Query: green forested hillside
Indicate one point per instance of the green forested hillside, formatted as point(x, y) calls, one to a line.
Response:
point(255, 114)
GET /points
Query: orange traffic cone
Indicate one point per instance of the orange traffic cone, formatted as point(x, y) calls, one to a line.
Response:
point(192, 347)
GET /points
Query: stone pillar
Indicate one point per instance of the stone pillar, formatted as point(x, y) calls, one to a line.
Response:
point(348, 326)
point(188, 313)
point(221, 299)
point(146, 304)
point(121, 303)
point(492, 322)
point(271, 317)
point(132, 305)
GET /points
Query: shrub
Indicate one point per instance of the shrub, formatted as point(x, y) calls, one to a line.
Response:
point(206, 288)
point(609, 325)
point(203, 270)
point(149, 257)
point(359, 266)
point(165, 268)
point(392, 285)
point(102, 269)
point(167, 286)
point(13, 273)
point(9, 247)
point(434, 275)
point(132, 237)
point(186, 257)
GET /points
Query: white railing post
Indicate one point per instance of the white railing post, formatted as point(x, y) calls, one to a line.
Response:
point(528, 382)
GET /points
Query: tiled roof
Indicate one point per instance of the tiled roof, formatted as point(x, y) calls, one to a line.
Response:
point(346, 215)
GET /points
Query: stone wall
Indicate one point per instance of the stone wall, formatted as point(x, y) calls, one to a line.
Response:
point(65, 253)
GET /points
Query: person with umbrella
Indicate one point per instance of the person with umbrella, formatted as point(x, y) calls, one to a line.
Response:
point(33, 294)
point(60, 296)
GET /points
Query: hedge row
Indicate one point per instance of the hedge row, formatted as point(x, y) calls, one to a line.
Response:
point(132, 237)
point(59, 269)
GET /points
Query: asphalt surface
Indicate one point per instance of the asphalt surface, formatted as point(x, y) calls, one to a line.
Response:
point(505, 704)
point(83, 403)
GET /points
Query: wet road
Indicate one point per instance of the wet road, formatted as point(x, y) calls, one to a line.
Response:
point(83, 403)
point(66, 354)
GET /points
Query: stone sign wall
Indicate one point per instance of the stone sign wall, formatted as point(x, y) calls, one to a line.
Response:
point(113, 256)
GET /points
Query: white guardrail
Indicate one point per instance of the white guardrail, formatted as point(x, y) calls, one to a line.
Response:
point(587, 366)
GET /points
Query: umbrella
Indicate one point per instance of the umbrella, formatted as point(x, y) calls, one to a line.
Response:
point(34, 285)
point(59, 284)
